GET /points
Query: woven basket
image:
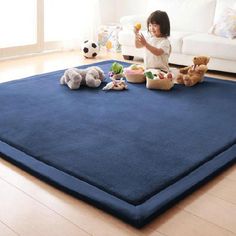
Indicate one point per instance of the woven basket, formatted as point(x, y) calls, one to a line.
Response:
point(162, 84)
point(135, 78)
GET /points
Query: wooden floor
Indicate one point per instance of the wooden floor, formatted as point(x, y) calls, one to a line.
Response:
point(30, 207)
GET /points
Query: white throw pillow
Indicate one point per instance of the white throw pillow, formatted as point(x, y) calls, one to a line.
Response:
point(221, 5)
point(186, 15)
point(226, 24)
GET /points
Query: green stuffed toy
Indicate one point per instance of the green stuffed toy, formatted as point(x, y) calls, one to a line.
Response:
point(116, 71)
point(117, 68)
point(149, 75)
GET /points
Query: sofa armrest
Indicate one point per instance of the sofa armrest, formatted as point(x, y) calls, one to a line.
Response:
point(128, 22)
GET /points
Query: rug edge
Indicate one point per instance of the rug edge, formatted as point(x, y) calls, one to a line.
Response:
point(174, 193)
point(137, 216)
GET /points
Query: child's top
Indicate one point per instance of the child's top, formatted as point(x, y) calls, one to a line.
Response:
point(158, 62)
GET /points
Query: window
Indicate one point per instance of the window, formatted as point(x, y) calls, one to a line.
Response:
point(29, 26)
point(20, 29)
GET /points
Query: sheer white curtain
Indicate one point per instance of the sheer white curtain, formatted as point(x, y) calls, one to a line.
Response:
point(70, 21)
point(17, 26)
point(29, 26)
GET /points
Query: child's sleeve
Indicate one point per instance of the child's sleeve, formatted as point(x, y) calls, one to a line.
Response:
point(165, 46)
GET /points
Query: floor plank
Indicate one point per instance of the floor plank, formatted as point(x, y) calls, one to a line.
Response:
point(81, 214)
point(27, 66)
point(177, 222)
point(230, 173)
point(97, 222)
point(6, 231)
point(223, 188)
point(212, 209)
point(27, 217)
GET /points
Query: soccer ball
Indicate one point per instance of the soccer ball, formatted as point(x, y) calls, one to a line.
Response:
point(90, 49)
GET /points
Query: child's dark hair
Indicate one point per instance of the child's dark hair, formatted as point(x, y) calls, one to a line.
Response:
point(160, 18)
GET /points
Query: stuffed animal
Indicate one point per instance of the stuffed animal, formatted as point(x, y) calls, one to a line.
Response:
point(91, 77)
point(116, 85)
point(195, 76)
point(116, 71)
point(191, 75)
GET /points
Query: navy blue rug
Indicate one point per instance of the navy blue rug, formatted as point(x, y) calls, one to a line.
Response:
point(132, 153)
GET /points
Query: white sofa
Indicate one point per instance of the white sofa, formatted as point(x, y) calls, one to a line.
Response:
point(191, 21)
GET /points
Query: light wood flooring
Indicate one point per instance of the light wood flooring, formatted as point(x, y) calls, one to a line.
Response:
point(30, 207)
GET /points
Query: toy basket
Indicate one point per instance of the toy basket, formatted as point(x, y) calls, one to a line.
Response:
point(162, 84)
point(135, 78)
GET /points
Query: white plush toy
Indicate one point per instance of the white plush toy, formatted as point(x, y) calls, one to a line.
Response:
point(116, 85)
point(91, 77)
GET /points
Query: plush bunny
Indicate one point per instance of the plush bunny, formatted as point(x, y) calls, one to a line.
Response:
point(91, 77)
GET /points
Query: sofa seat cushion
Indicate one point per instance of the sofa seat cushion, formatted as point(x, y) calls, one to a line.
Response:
point(176, 40)
point(210, 45)
point(127, 37)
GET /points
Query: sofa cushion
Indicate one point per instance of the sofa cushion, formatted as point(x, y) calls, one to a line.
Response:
point(127, 37)
point(221, 5)
point(176, 40)
point(186, 15)
point(209, 45)
point(226, 25)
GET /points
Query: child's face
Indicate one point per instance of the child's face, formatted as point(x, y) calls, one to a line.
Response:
point(154, 29)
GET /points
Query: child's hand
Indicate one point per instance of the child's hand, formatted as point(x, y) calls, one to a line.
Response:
point(142, 39)
point(135, 30)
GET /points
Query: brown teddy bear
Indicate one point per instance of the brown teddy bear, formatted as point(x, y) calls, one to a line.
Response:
point(194, 74)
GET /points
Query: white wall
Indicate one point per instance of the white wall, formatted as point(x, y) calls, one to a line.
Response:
point(107, 10)
point(129, 7)
point(113, 10)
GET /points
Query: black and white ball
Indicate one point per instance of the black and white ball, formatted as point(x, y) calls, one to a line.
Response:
point(90, 49)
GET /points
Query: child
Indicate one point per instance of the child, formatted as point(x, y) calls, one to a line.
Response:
point(157, 46)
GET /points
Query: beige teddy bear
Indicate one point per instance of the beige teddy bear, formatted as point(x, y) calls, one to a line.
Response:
point(91, 77)
point(194, 74)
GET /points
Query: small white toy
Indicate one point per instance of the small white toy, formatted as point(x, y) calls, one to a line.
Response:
point(91, 77)
point(90, 49)
point(116, 85)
